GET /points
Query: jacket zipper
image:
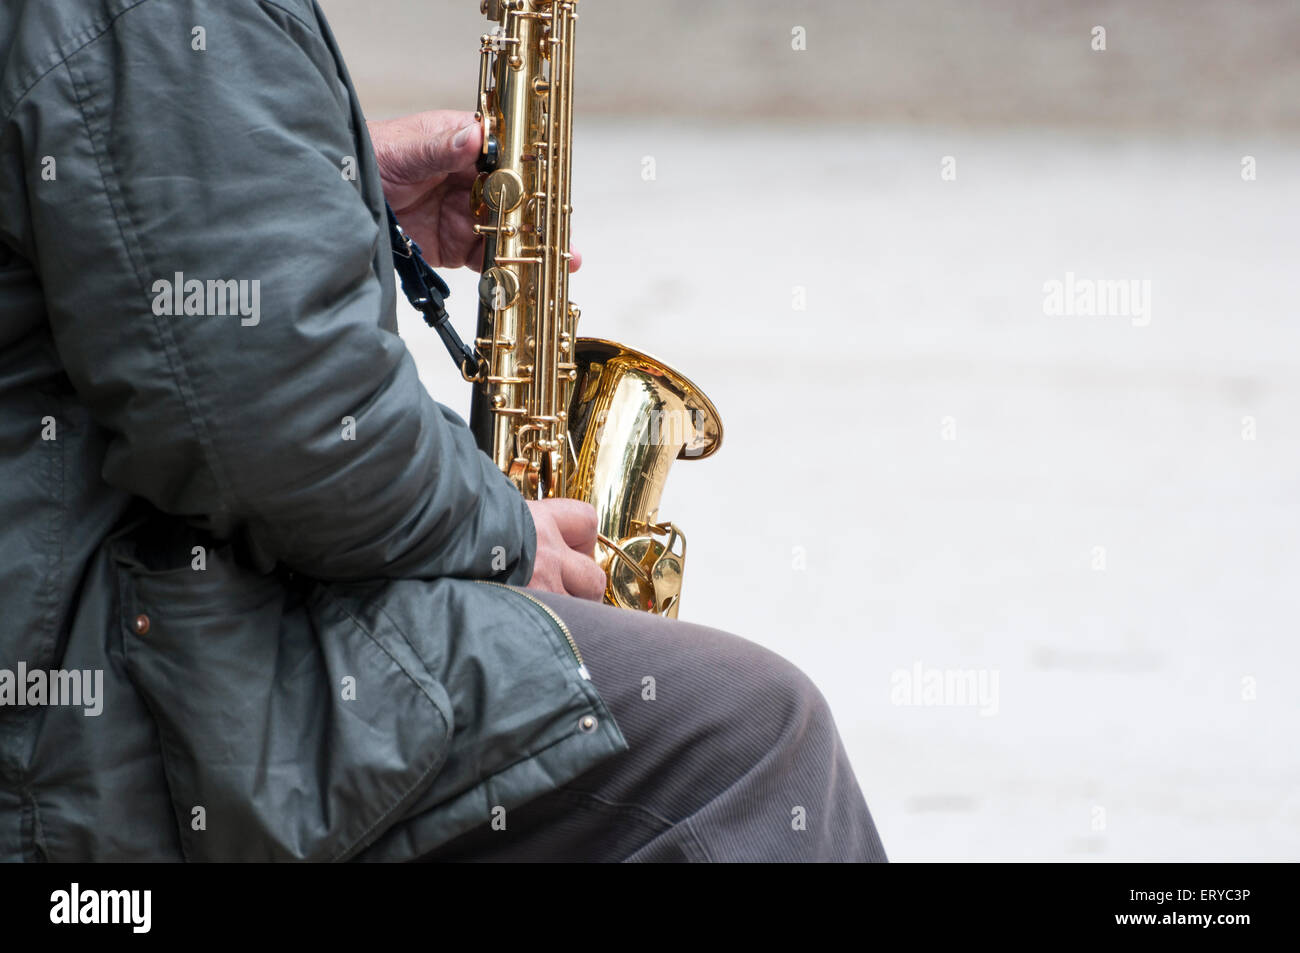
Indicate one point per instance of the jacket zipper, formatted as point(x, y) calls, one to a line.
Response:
point(564, 629)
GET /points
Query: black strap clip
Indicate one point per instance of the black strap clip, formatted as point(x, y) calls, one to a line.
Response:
point(428, 293)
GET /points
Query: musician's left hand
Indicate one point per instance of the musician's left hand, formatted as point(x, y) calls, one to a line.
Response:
point(426, 162)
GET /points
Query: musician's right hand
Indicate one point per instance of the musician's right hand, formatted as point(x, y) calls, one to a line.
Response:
point(566, 547)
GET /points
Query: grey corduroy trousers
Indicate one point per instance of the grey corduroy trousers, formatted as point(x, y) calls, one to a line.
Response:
point(734, 756)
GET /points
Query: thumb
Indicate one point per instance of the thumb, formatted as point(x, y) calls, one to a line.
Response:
point(454, 144)
point(416, 148)
point(468, 138)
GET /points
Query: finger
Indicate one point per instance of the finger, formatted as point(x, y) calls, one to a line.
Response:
point(457, 242)
point(583, 578)
point(547, 578)
point(452, 141)
point(576, 522)
point(575, 261)
point(474, 257)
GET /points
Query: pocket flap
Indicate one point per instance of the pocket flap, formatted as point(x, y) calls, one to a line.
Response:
point(291, 728)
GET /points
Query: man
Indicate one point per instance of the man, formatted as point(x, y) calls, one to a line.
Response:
point(230, 513)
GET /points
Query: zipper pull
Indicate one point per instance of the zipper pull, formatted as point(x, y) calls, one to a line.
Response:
point(586, 675)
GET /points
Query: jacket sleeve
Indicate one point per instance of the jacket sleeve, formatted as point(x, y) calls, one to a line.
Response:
point(211, 158)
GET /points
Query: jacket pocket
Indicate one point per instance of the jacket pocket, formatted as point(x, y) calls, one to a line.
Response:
point(294, 725)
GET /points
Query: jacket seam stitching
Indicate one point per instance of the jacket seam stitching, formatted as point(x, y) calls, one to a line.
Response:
point(96, 33)
point(54, 535)
point(47, 598)
point(32, 818)
point(185, 387)
point(285, 10)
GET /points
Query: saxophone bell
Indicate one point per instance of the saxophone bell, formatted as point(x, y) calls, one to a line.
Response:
point(632, 416)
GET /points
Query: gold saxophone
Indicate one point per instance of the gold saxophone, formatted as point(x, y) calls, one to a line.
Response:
point(564, 416)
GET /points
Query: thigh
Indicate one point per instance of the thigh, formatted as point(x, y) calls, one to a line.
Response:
point(699, 708)
point(696, 704)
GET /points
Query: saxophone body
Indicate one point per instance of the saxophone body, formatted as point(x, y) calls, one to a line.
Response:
point(564, 416)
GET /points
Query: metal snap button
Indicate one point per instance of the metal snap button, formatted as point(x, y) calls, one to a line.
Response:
point(142, 624)
point(587, 724)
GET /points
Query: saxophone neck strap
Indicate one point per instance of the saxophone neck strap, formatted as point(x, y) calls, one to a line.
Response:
point(428, 293)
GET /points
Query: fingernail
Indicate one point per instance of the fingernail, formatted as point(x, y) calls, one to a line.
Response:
point(462, 137)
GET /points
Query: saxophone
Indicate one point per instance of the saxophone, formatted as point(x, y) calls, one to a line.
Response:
point(564, 416)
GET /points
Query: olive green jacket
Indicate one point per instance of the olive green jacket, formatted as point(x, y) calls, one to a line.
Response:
point(223, 491)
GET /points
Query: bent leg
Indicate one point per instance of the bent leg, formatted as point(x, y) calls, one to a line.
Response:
point(734, 757)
